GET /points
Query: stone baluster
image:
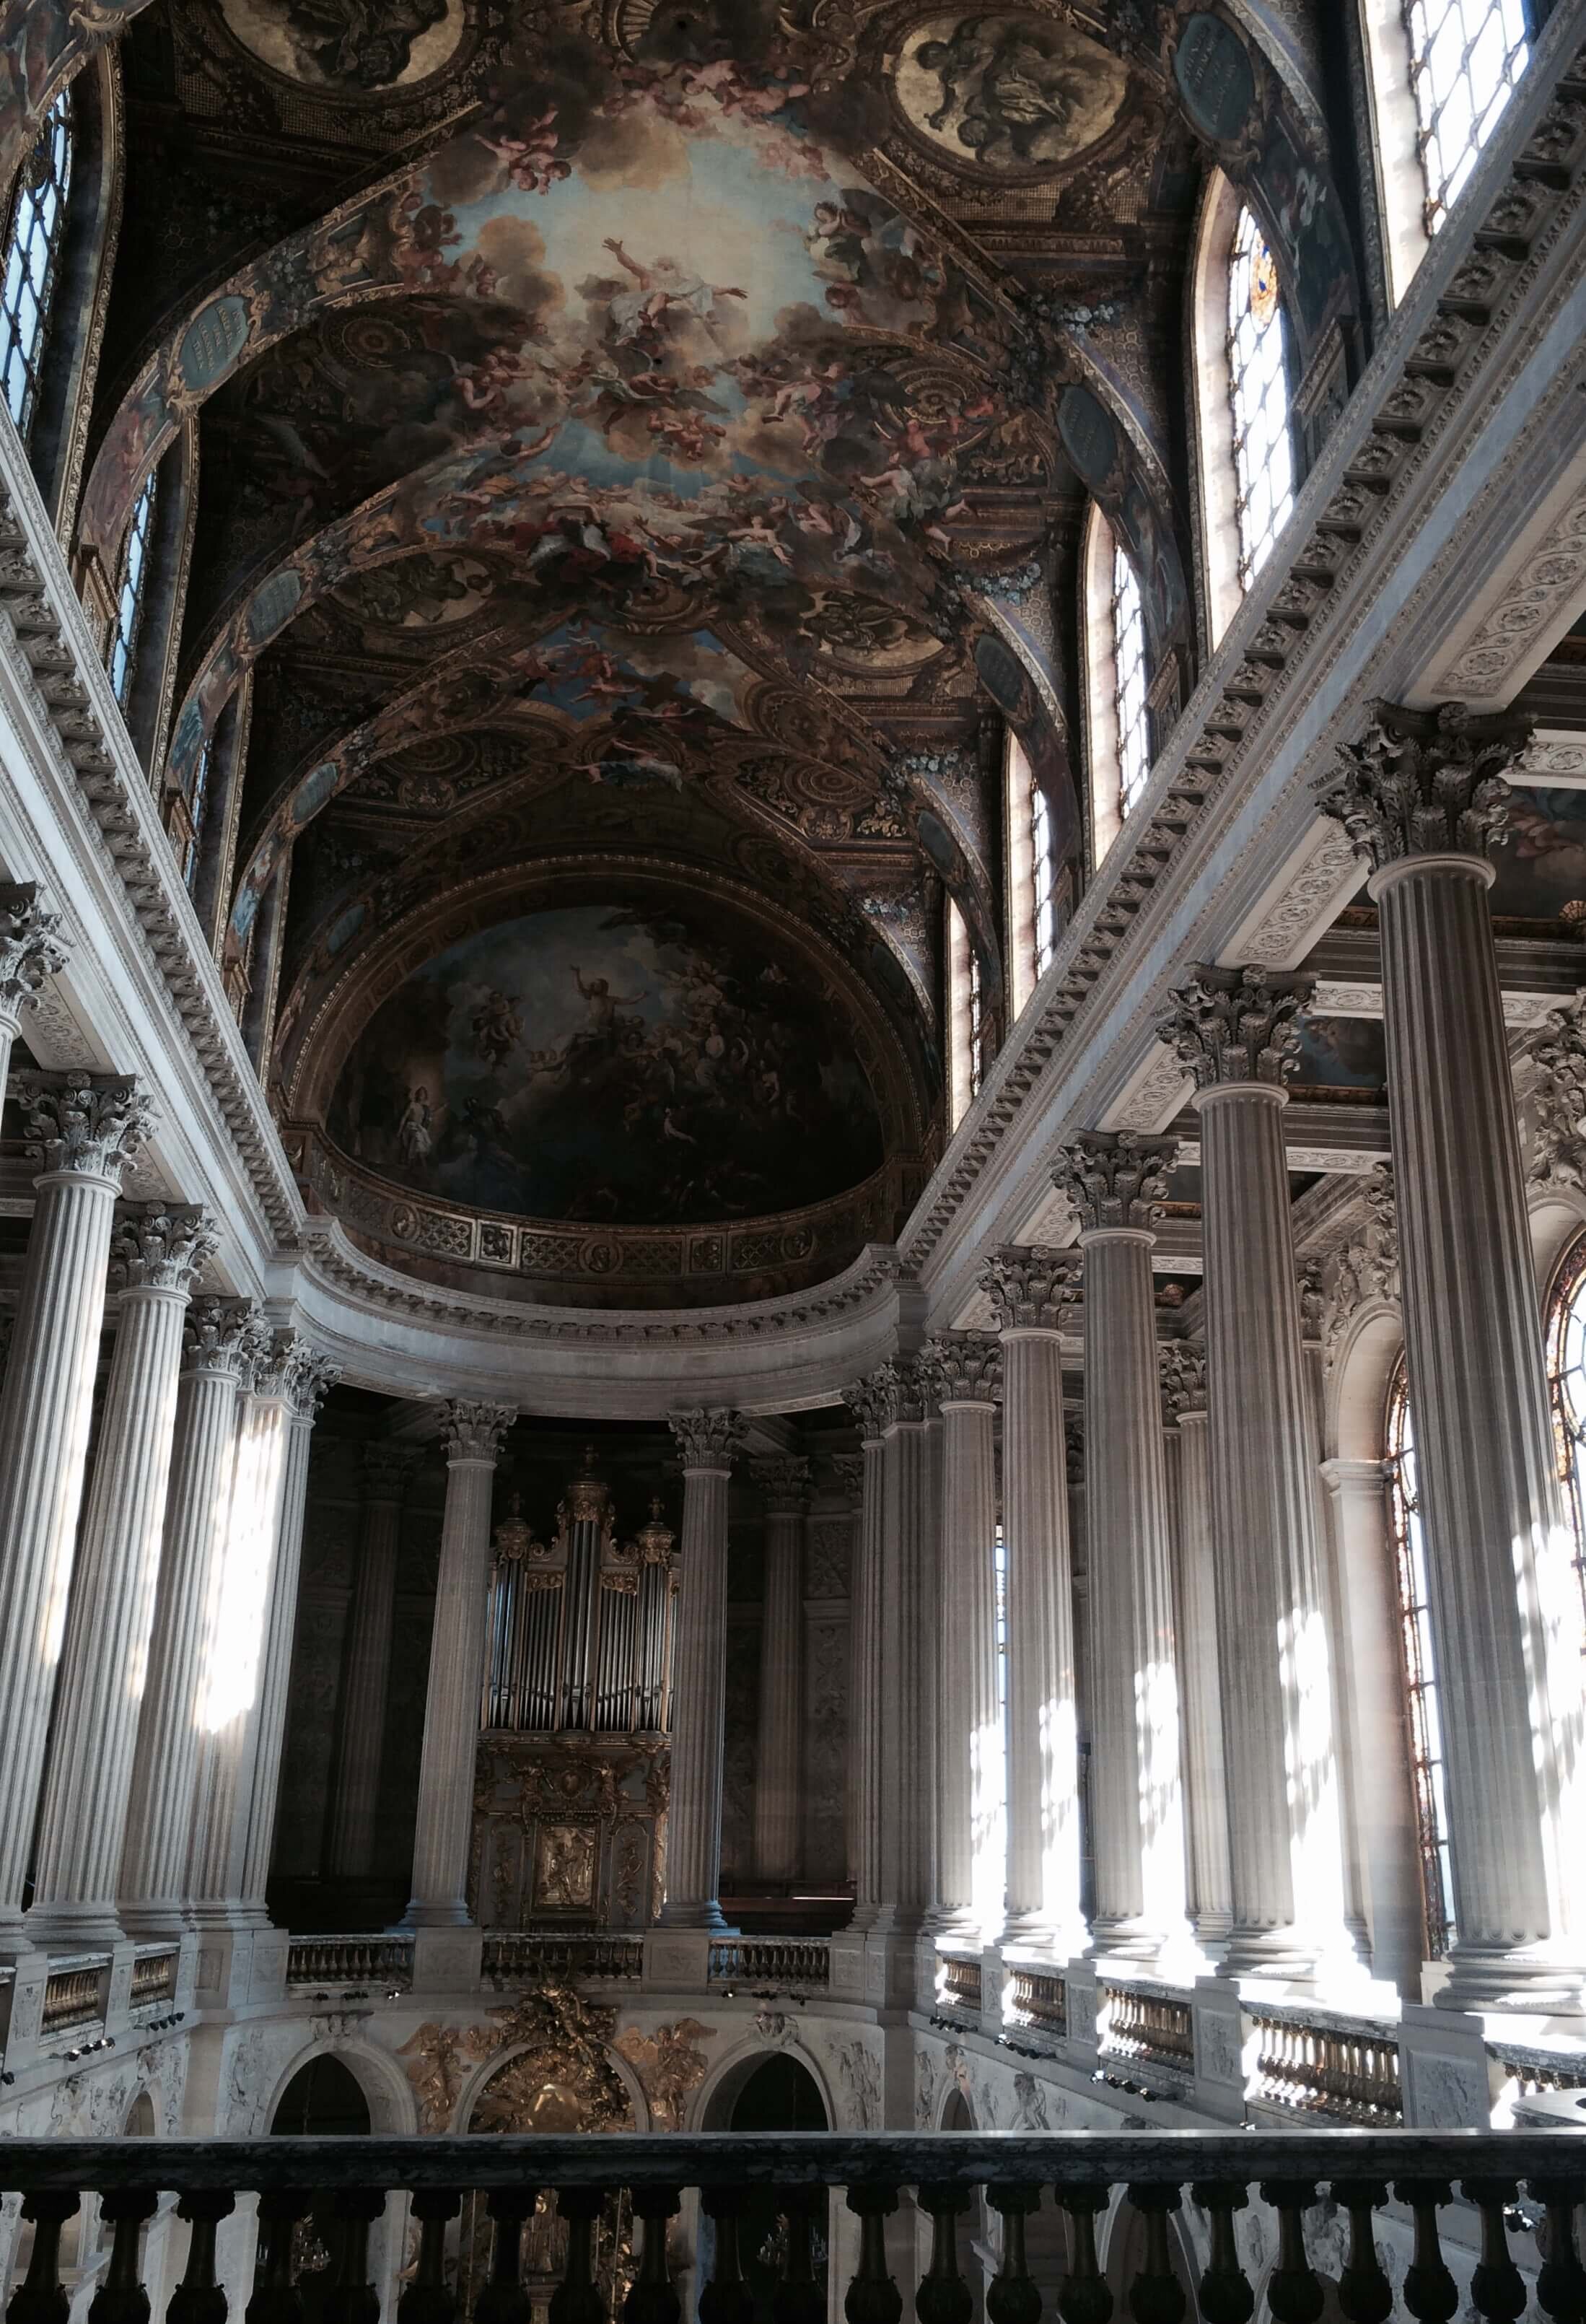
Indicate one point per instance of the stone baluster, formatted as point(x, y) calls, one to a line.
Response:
point(156, 1252)
point(84, 1128)
point(867, 1401)
point(1114, 1180)
point(388, 1467)
point(1235, 1030)
point(1423, 797)
point(473, 1434)
point(224, 1341)
point(784, 1485)
point(1028, 1286)
point(971, 1777)
point(1205, 1800)
point(30, 955)
point(708, 1441)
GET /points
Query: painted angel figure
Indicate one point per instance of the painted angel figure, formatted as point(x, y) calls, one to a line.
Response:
point(415, 1130)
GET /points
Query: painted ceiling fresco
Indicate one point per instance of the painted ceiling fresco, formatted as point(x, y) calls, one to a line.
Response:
point(669, 432)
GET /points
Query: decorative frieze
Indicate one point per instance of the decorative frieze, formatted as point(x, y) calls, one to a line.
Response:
point(1030, 1285)
point(475, 1431)
point(1236, 1024)
point(94, 1124)
point(1424, 782)
point(707, 1437)
point(1115, 1177)
point(160, 1247)
point(1182, 1366)
point(30, 953)
point(968, 1367)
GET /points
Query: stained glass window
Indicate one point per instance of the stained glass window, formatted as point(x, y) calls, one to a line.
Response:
point(135, 576)
point(1257, 379)
point(33, 259)
point(1043, 875)
point(1566, 1379)
point(1420, 1672)
point(1128, 688)
point(1465, 59)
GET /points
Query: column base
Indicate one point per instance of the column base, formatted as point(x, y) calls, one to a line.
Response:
point(424, 1912)
point(1498, 1977)
point(150, 1920)
point(1276, 1955)
point(953, 1924)
point(707, 1915)
point(1029, 1934)
point(73, 1928)
point(1123, 1940)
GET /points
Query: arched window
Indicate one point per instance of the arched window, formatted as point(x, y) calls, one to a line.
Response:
point(197, 806)
point(1128, 682)
point(966, 1017)
point(133, 590)
point(1465, 58)
point(1566, 1380)
point(1042, 878)
point(34, 239)
point(1258, 387)
point(1034, 890)
point(1118, 742)
point(1420, 1674)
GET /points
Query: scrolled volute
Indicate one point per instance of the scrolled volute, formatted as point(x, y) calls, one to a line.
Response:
point(30, 953)
point(160, 1246)
point(1234, 1025)
point(1115, 1177)
point(1424, 782)
point(1030, 1285)
point(91, 1123)
point(708, 1436)
point(475, 1431)
point(967, 1366)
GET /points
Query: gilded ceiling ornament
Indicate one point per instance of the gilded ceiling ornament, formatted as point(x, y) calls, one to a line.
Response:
point(94, 1124)
point(1424, 782)
point(1115, 1177)
point(1234, 1025)
point(160, 1247)
point(30, 953)
point(670, 2065)
point(1030, 1285)
point(968, 1367)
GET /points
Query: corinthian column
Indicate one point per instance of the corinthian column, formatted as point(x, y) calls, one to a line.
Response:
point(1114, 1180)
point(971, 1825)
point(473, 1434)
point(1235, 1030)
point(28, 956)
point(909, 1614)
point(1422, 798)
point(706, 1442)
point(867, 1401)
point(1205, 1800)
point(156, 1253)
point(785, 1486)
point(84, 1128)
point(1028, 1286)
point(223, 1340)
point(355, 1794)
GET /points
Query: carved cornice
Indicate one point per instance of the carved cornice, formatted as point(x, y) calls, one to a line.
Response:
point(784, 1484)
point(157, 1246)
point(95, 1123)
point(475, 1431)
point(968, 1367)
point(1236, 1025)
point(1030, 1285)
point(388, 1468)
point(708, 1437)
point(1182, 1366)
point(29, 952)
point(1558, 1103)
point(224, 1335)
point(1115, 1177)
point(1424, 782)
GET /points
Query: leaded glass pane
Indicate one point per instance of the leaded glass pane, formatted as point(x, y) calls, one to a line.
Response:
point(134, 574)
point(33, 261)
point(1258, 379)
point(1465, 58)
point(1129, 667)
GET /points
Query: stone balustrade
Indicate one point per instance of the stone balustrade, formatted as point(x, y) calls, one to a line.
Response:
point(349, 1960)
point(791, 1963)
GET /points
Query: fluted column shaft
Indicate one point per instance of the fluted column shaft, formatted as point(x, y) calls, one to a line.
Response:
point(866, 1651)
point(275, 1676)
point(706, 1441)
point(221, 1336)
point(1135, 1785)
point(355, 1794)
point(1206, 1794)
point(473, 1435)
point(970, 1774)
point(786, 1485)
point(88, 1128)
point(908, 1611)
point(88, 1780)
point(1504, 1626)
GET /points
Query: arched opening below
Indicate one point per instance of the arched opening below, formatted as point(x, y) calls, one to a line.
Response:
point(322, 2100)
point(956, 2115)
point(781, 2094)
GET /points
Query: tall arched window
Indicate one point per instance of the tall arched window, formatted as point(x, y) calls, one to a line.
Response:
point(1258, 387)
point(1566, 1380)
point(1128, 682)
point(1117, 744)
point(133, 590)
point(1420, 1673)
point(33, 238)
point(1043, 877)
point(966, 1017)
point(1465, 59)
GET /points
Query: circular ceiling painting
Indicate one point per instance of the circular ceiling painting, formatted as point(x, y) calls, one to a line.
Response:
point(1014, 94)
point(346, 45)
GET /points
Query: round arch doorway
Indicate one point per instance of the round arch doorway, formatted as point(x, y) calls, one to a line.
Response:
point(779, 2095)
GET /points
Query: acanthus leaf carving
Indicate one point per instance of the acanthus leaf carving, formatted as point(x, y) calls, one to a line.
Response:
point(1030, 1285)
point(1233, 1025)
point(968, 1367)
point(475, 1431)
point(91, 1123)
point(1424, 782)
point(160, 1247)
point(30, 952)
point(708, 1436)
point(1115, 1177)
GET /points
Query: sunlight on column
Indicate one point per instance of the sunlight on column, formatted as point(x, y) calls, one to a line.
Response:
point(73, 1460)
point(988, 1827)
point(1311, 1767)
point(231, 1678)
point(1162, 1856)
point(1059, 1737)
point(1549, 1593)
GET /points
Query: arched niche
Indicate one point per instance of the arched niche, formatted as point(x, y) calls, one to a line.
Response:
point(760, 2091)
point(323, 2100)
point(140, 2118)
point(382, 2085)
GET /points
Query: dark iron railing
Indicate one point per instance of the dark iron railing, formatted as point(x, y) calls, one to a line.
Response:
point(346, 2182)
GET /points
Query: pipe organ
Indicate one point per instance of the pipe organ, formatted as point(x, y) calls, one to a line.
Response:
point(569, 1805)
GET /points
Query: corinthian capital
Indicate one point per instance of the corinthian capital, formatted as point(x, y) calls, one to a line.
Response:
point(473, 1431)
point(1424, 782)
point(1232, 1025)
point(1115, 1177)
point(158, 1246)
point(224, 1335)
point(968, 1367)
point(847, 1475)
point(867, 1400)
point(707, 1437)
point(784, 1482)
point(90, 1124)
point(1030, 1285)
point(1182, 1369)
point(29, 952)
point(388, 1468)
point(1558, 1049)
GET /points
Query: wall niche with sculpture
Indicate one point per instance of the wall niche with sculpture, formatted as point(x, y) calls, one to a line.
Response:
point(571, 1780)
